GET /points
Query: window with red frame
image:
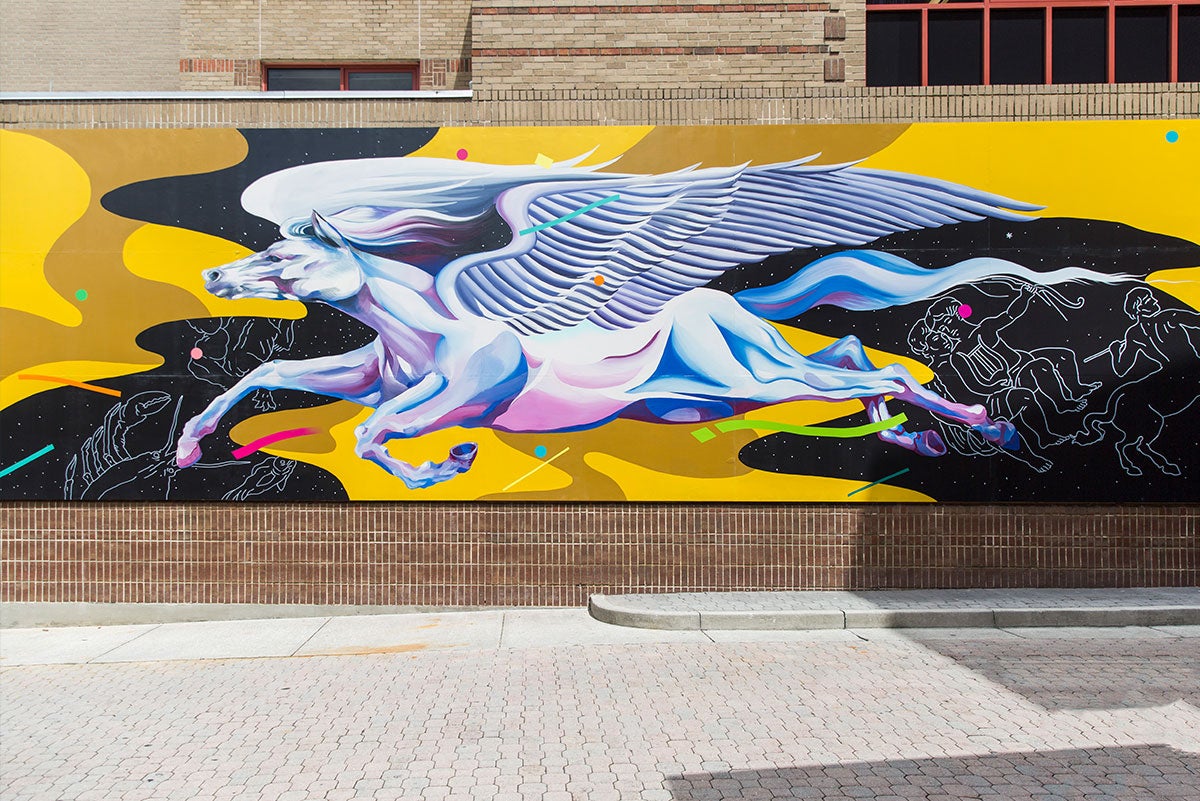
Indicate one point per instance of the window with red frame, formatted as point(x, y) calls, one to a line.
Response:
point(993, 42)
point(339, 77)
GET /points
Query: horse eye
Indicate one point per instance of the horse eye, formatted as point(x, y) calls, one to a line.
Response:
point(274, 257)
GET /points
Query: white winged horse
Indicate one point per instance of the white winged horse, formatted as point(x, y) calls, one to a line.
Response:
point(595, 306)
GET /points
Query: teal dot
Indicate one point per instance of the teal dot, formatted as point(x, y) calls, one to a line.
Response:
point(81, 294)
point(540, 451)
point(1172, 136)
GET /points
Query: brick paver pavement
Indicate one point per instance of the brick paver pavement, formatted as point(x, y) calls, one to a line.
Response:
point(823, 715)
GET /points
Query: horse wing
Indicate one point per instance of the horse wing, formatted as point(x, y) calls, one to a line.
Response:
point(614, 251)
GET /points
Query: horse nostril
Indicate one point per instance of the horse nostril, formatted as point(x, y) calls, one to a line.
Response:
point(212, 275)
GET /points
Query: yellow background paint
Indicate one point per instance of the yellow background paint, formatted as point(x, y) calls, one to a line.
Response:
point(43, 191)
point(1119, 171)
point(178, 256)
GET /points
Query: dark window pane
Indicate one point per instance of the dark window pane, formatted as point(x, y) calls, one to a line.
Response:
point(1143, 44)
point(379, 81)
point(894, 48)
point(1189, 43)
point(1019, 46)
point(1080, 45)
point(303, 80)
point(955, 48)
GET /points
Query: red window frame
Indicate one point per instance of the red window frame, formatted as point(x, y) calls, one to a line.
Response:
point(345, 70)
point(875, 7)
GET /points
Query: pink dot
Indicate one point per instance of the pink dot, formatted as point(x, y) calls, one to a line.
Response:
point(964, 311)
point(462, 154)
point(197, 353)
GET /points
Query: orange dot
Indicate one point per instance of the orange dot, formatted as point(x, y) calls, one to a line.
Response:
point(598, 280)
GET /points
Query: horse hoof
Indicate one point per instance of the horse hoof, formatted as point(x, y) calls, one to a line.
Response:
point(929, 443)
point(463, 455)
point(187, 455)
point(1010, 438)
point(1001, 433)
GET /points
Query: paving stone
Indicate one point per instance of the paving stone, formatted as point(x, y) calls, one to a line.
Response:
point(899, 715)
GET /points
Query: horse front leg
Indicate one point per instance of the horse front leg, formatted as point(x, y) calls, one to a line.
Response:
point(418, 409)
point(349, 376)
point(848, 353)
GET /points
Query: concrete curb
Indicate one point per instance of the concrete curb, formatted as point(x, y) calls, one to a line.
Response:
point(607, 609)
point(612, 609)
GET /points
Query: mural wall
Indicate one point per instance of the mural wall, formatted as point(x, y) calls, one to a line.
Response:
point(935, 312)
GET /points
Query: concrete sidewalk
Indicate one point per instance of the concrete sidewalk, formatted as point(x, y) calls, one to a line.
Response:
point(716, 611)
point(320, 636)
point(680, 618)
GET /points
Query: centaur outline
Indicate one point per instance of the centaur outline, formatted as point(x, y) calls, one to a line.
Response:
point(582, 318)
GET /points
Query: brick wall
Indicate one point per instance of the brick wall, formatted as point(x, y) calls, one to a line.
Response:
point(531, 45)
point(833, 104)
point(521, 554)
point(77, 45)
point(223, 43)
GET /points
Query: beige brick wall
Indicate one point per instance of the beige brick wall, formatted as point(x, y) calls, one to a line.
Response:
point(556, 44)
point(222, 41)
point(81, 45)
point(832, 104)
point(855, 45)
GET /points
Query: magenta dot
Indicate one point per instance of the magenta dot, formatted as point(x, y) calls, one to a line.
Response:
point(197, 353)
point(462, 154)
point(964, 311)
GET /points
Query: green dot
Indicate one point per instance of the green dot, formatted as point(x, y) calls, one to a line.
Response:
point(81, 294)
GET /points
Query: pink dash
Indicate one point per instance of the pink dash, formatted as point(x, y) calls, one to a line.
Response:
point(271, 439)
point(462, 154)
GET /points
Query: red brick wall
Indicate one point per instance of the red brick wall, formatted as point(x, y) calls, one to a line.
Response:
point(523, 554)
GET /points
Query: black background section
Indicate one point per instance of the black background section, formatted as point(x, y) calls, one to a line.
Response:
point(1079, 473)
point(67, 417)
point(209, 203)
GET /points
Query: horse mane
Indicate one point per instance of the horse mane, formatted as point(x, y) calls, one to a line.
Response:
point(427, 240)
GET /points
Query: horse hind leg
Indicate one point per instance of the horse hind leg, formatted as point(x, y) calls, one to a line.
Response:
point(1123, 447)
point(1146, 448)
point(848, 353)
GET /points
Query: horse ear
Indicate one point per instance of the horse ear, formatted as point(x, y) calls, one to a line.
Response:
point(324, 231)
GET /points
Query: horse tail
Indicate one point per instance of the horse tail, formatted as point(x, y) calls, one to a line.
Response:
point(869, 280)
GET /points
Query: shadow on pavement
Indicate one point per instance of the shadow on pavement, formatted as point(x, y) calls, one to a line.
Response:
point(1143, 773)
point(1085, 673)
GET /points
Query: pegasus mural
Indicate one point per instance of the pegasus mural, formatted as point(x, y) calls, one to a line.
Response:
point(596, 308)
point(500, 307)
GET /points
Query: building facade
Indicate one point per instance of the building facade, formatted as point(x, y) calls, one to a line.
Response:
point(138, 92)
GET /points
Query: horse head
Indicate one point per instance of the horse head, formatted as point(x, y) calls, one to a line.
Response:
point(321, 266)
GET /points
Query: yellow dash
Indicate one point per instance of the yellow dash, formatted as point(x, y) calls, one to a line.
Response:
point(543, 160)
point(534, 470)
point(116, 393)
